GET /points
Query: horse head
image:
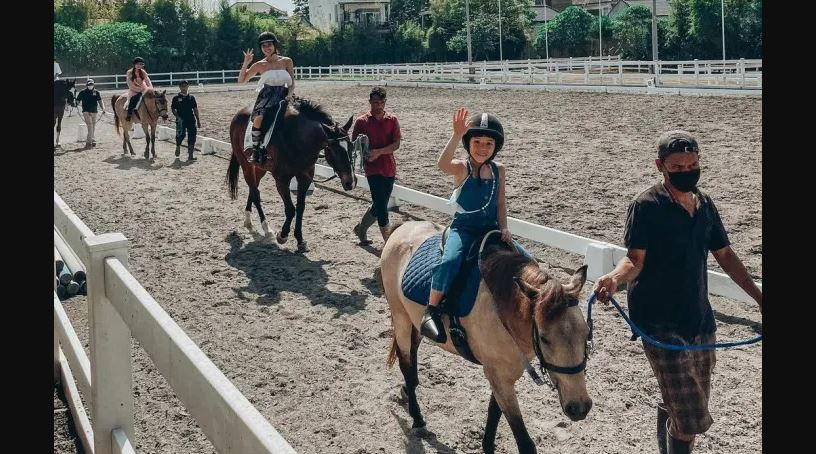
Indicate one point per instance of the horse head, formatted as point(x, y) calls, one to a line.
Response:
point(339, 153)
point(161, 103)
point(560, 335)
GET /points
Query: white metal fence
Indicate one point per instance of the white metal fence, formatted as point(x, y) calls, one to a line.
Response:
point(611, 70)
point(120, 308)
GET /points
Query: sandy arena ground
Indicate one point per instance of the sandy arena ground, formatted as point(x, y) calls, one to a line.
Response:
point(305, 336)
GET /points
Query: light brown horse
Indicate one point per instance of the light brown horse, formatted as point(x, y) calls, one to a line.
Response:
point(513, 295)
point(152, 106)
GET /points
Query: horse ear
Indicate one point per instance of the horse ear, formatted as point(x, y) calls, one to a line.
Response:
point(527, 289)
point(163, 92)
point(348, 123)
point(328, 130)
point(576, 281)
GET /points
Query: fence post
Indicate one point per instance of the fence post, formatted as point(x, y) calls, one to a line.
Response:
point(741, 69)
point(586, 72)
point(620, 73)
point(116, 80)
point(223, 76)
point(171, 78)
point(696, 73)
point(570, 64)
point(198, 79)
point(56, 349)
point(109, 338)
point(599, 258)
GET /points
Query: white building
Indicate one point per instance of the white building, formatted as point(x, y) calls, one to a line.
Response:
point(259, 6)
point(327, 15)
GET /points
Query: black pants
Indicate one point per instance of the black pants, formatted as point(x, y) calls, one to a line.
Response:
point(381, 188)
point(189, 127)
point(132, 102)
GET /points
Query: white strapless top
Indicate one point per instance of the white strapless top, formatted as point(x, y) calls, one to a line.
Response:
point(274, 77)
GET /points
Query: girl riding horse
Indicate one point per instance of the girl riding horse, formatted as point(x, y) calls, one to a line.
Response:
point(275, 86)
point(479, 200)
point(137, 81)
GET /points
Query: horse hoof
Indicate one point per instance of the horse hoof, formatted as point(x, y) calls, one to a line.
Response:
point(281, 239)
point(301, 247)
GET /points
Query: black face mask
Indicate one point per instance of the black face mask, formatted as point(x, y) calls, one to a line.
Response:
point(685, 181)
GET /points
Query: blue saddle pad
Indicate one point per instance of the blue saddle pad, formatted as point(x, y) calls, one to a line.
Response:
point(416, 281)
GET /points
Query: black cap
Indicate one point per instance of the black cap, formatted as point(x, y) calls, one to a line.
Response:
point(184, 82)
point(676, 141)
point(138, 60)
point(484, 124)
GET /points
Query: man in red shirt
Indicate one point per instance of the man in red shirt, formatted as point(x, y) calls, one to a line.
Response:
point(383, 131)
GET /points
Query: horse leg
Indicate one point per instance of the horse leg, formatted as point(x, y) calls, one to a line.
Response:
point(303, 185)
point(504, 393)
point(153, 128)
point(126, 141)
point(408, 367)
point(59, 128)
point(493, 416)
point(247, 220)
point(282, 185)
point(255, 193)
point(147, 141)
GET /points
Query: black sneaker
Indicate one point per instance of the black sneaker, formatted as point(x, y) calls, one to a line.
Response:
point(431, 325)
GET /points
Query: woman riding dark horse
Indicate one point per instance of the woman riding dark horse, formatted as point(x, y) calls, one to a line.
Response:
point(137, 81)
point(276, 85)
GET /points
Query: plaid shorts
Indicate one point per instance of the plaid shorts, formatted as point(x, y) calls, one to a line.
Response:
point(684, 378)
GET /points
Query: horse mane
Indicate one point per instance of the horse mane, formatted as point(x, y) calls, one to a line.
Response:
point(312, 110)
point(500, 271)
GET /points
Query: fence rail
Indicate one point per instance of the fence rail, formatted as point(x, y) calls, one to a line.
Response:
point(118, 308)
point(611, 70)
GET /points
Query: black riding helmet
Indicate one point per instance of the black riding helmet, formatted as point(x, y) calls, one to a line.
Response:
point(484, 124)
point(268, 37)
point(138, 60)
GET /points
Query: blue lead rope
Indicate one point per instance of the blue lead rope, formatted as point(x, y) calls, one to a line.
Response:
point(664, 345)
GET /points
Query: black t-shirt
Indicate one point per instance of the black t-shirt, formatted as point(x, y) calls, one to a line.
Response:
point(671, 292)
point(89, 99)
point(183, 105)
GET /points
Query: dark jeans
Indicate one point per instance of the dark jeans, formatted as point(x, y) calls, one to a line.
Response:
point(189, 127)
point(132, 102)
point(381, 188)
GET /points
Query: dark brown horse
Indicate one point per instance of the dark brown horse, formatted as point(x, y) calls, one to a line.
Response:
point(307, 129)
point(62, 95)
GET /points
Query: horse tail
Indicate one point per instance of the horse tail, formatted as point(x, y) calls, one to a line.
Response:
point(113, 109)
point(232, 177)
point(392, 355)
point(238, 127)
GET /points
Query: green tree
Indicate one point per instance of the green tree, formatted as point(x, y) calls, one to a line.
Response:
point(706, 28)
point(402, 11)
point(743, 29)
point(632, 30)
point(301, 8)
point(569, 32)
point(134, 11)
point(228, 39)
point(166, 28)
point(69, 49)
point(73, 13)
point(111, 47)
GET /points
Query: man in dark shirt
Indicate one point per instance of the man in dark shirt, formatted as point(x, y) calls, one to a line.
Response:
point(89, 98)
point(185, 109)
point(383, 131)
point(670, 229)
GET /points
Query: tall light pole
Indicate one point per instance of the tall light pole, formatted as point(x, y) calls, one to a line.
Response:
point(600, 35)
point(654, 30)
point(501, 56)
point(467, 21)
point(546, 33)
point(722, 13)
